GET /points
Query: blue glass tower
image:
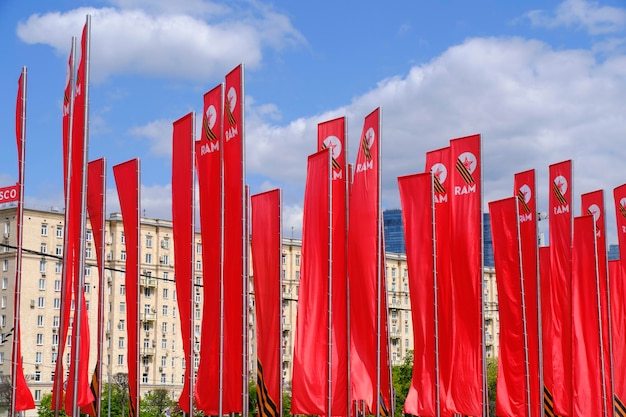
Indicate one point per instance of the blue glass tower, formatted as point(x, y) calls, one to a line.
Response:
point(394, 231)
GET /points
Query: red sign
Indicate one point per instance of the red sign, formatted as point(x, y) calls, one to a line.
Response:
point(9, 194)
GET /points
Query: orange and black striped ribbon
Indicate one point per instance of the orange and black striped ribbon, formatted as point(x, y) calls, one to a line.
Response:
point(622, 210)
point(229, 113)
point(438, 187)
point(597, 227)
point(548, 404)
point(620, 410)
point(335, 163)
point(366, 148)
point(384, 411)
point(207, 130)
point(267, 406)
point(557, 193)
point(467, 176)
point(522, 200)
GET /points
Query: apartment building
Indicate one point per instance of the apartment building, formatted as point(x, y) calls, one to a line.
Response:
point(161, 349)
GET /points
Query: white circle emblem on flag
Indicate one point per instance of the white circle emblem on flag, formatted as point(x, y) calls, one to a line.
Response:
point(469, 160)
point(334, 144)
point(561, 183)
point(622, 202)
point(440, 172)
point(526, 192)
point(595, 210)
point(370, 136)
point(232, 97)
point(211, 115)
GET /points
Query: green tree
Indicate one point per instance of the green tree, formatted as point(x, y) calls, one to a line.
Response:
point(286, 403)
point(45, 407)
point(156, 402)
point(402, 381)
point(492, 377)
point(253, 403)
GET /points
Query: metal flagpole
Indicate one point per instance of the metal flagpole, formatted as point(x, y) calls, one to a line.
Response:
point(280, 302)
point(79, 296)
point(539, 321)
point(58, 373)
point(15, 359)
point(136, 402)
point(346, 184)
point(610, 325)
point(599, 310)
point(191, 367)
point(330, 283)
point(482, 294)
point(101, 291)
point(244, 268)
point(523, 291)
point(220, 404)
point(435, 290)
point(378, 271)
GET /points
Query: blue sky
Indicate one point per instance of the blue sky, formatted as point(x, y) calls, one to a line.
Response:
point(542, 81)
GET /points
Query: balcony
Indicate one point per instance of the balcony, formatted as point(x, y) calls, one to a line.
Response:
point(147, 351)
point(394, 304)
point(148, 282)
point(286, 327)
point(394, 334)
point(148, 316)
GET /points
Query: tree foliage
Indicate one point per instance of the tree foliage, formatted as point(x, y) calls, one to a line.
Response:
point(402, 381)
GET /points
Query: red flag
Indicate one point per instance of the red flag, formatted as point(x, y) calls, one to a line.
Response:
point(525, 190)
point(127, 180)
point(311, 354)
point(618, 324)
point(266, 261)
point(618, 289)
point(416, 195)
point(560, 346)
point(235, 327)
point(466, 389)
point(367, 321)
point(23, 398)
point(208, 164)
point(438, 163)
point(546, 326)
point(332, 134)
point(586, 353)
point(512, 384)
point(184, 242)
point(593, 203)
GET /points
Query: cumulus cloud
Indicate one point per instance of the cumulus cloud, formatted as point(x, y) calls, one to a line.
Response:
point(159, 135)
point(587, 15)
point(160, 42)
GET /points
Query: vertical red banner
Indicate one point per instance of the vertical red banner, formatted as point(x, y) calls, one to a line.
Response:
point(332, 134)
point(184, 241)
point(438, 163)
point(525, 187)
point(587, 375)
point(466, 389)
point(209, 169)
point(618, 289)
point(560, 358)
point(266, 263)
point(367, 321)
point(22, 398)
point(416, 196)
point(512, 393)
point(127, 181)
point(546, 327)
point(593, 204)
point(235, 327)
point(310, 362)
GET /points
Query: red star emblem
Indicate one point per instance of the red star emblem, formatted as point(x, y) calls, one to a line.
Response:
point(468, 164)
point(437, 173)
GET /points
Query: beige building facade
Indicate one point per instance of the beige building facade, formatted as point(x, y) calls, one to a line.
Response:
point(161, 349)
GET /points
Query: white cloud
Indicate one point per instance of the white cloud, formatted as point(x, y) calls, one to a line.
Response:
point(156, 201)
point(532, 104)
point(159, 135)
point(588, 15)
point(176, 45)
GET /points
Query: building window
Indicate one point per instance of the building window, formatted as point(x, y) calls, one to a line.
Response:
point(120, 343)
point(43, 248)
point(58, 267)
point(42, 267)
point(88, 271)
point(165, 310)
point(284, 259)
point(122, 289)
point(57, 285)
point(1, 357)
point(123, 239)
point(44, 229)
point(297, 260)
point(37, 395)
point(37, 376)
point(198, 265)
point(58, 250)
point(3, 301)
point(148, 258)
point(55, 321)
point(42, 284)
point(40, 321)
point(144, 378)
point(163, 379)
point(5, 283)
point(148, 241)
point(41, 302)
point(88, 253)
point(123, 255)
point(122, 307)
point(5, 265)
point(198, 248)
point(165, 293)
point(38, 357)
point(39, 339)
point(88, 235)
point(166, 259)
point(164, 327)
point(59, 231)
point(57, 303)
point(120, 359)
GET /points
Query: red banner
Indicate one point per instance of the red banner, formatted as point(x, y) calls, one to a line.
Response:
point(593, 204)
point(416, 196)
point(465, 395)
point(546, 326)
point(127, 180)
point(587, 367)
point(560, 347)
point(365, 276)
point(512, 383)
point(525, 187)
point(9, 194)
point(332, 134)
point(184, 241)
point(266, 261)
point(618, 324)
point(235, 326)
point(438, 163)
point(311, 354)
point(208, 165)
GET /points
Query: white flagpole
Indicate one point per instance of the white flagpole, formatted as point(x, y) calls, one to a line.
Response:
point(599, 311)
point(346, 184)
point(523, 297)
point(379, 272)
point(330, 283)
point(191, 367)
point(436, 294)
point(485, 393)
point(56, 400)
point(244, 243)
point(137, 364)
point(220, 405)
point(101, 290)
point(280, 302)
point(20, 235)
